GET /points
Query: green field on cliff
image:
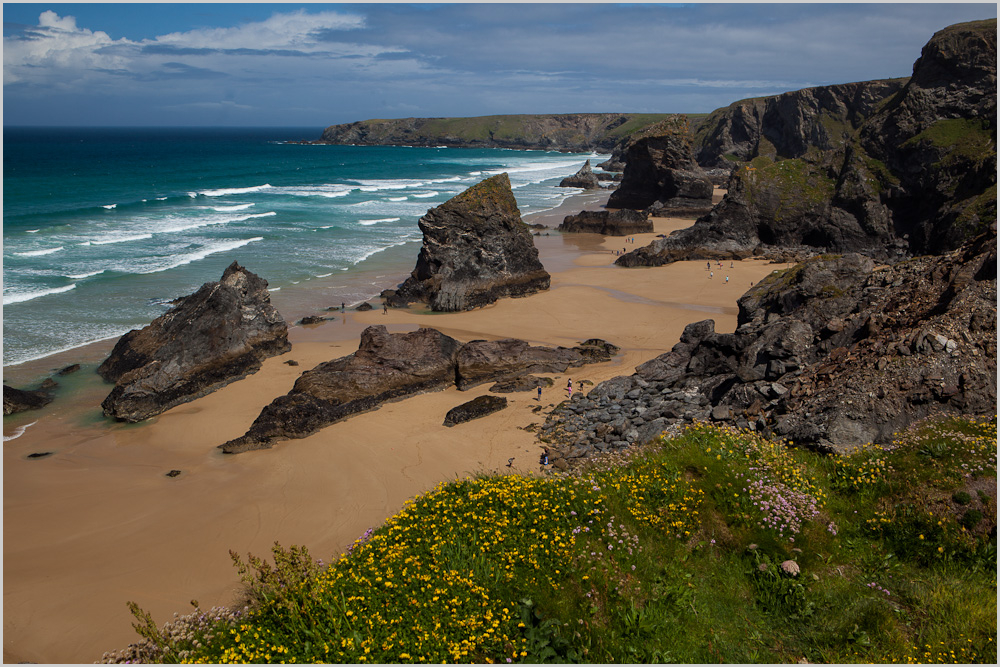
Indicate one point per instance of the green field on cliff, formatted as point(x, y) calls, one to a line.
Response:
point(714, 546)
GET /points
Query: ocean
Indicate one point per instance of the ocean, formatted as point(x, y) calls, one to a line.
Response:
point(103, 227)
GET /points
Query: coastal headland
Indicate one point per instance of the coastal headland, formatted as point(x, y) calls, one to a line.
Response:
point(98, 522)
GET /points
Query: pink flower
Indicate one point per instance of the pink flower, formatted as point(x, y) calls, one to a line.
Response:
point(790, 567)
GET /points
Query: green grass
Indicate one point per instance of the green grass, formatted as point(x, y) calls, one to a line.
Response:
point(715, 546)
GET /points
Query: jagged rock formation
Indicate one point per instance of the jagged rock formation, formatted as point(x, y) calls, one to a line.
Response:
point(791, 125)
point(832, 353)
point(575, 133)
point(918, 174)
point(621, 222)
point(520, 383)
point(392, 366)
point(660, 169)
point(482, 361)
point(217, 335)
point(476, 250)
point(19, 400)
point(585, 178)
point(474, 409)
point(385, 367)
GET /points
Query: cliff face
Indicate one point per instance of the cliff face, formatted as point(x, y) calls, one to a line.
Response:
point(790, 125)
point(560, 132)
point(476, 250)
point(918, 175)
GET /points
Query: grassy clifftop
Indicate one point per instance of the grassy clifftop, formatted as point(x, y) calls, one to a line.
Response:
point(569, 132)
point(716, 546)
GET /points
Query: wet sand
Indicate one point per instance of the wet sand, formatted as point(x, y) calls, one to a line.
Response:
point(98, 523)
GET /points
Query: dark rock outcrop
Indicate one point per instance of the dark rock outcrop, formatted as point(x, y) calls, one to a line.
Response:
point(832, 353)
point(482, 361)
point(217, 335)
point(909, 174)
point(660, 169)
point(476, 250)
point(791, 125)
point(585, 178)
point(621, 222)
point(474, 409)
point(385, 367)
point(392, 366)
point(19, 400)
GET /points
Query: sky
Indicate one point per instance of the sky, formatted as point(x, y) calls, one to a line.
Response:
point(313, 65)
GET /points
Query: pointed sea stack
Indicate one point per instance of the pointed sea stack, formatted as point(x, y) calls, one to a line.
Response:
point(219, 334)
point(476, 250)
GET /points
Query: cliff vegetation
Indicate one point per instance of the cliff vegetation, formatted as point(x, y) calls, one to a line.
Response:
point(714, 546)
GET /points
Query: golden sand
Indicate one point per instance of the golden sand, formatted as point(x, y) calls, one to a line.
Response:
point(99, 523)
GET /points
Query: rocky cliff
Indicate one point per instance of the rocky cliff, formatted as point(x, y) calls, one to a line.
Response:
point(620, 222)
point(561, 132)
point(791, 125)
point(832, 353)
point(476, 250)
point(219, 334)
point(918, 174)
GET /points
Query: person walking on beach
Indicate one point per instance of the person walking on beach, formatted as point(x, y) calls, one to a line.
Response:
point(539, 393)
point(385, 307)
point(569, 387)
point(342, 307)
point(727, 280)
point(708, 266)
point(711, 273)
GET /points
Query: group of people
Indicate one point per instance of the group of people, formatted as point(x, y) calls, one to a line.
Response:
point(711, 273)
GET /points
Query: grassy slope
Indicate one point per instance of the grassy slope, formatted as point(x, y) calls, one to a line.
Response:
point(715, 546)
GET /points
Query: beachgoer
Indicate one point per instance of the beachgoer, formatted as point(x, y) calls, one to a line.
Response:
point(730, 265)
point(342, 306)
point(727, 280)
point(711, 273)
point(708, 266)
point(539, 393)
point(385, 307)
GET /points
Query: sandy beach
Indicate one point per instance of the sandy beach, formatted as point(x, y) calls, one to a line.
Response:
point(98, 522)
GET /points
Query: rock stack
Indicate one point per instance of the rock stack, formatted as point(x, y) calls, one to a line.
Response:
point(217, 335)
point(476, 250)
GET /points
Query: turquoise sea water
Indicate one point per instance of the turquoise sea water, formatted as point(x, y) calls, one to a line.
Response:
point(102, 227)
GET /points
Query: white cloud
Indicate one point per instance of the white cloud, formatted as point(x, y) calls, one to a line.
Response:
point(296, 31)
point(58, 46)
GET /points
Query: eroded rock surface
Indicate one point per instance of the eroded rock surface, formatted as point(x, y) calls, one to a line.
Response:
point(832, 353)
point(475, 409)
point(392, 366)
point(20, 400)
point(621, 222)
point(217, 335)
point(585, 178)
point(476, 250)
point(660, 170)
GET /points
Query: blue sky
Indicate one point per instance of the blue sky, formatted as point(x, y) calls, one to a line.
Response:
point(312, 65)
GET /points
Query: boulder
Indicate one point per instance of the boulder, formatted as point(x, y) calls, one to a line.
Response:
point(474, 409)
point(19, 400)
point(217, 335)
point(385, 367)
point(362, 307)
point(476, 249)
point(585, 178)
point(621, 222)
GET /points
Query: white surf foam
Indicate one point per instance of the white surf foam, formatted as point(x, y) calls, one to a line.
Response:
point(18, 432)
point(81, 276)
point(38, 253)
point(121, 239)
point(110, 206)
point(222, 192)
point(375, 222)
point(203, 253)
point(226, 209)
point(425, 195)
point(29, 296)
